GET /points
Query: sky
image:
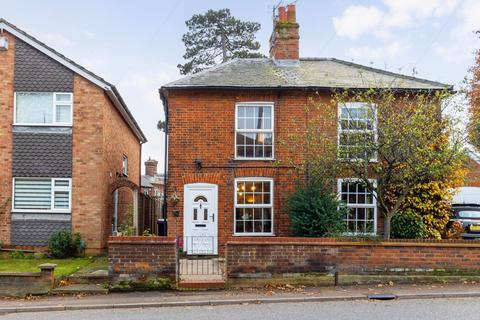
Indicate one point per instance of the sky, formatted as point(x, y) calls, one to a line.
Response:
point(136, 45)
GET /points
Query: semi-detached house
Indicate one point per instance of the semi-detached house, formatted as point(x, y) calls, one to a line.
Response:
point(67, 142)
point(223, 128)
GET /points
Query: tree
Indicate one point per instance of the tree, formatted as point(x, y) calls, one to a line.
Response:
point(391, 142)
point(215, 37)
point(474, 99)
point(315, 212)
point(402, 140)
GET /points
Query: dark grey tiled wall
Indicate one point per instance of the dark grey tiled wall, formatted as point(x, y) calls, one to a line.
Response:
point(36, 72)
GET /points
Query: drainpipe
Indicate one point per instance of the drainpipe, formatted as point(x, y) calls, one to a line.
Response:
point(165, 165)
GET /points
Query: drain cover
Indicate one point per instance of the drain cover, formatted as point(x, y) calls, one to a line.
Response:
point(385, 296)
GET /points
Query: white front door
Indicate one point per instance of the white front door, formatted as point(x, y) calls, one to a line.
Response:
point(200, 219)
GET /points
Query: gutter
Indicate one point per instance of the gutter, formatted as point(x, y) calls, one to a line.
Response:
point(448, 88)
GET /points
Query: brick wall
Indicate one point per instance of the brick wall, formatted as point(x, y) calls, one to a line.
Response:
point(299, 255)
point(100, 139)
point(473, 173)
point(212, 113)
point(141, 258)
point(7, 59)
point(21, 284)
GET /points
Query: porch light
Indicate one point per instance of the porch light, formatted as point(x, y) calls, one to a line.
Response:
point(253, 188)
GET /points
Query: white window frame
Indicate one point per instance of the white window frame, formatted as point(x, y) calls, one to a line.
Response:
point(125, 165)
point(53, 188)
point(54, 111)
point(373, 205)
point(340, 130)
point(235, 206)
point(272, 130)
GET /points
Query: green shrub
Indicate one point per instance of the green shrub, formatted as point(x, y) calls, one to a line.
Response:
point(63, 244)
point(408, 225)
point(315, 212)
point(16, 255)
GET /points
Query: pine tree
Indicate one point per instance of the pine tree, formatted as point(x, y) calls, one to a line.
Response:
point(216, 37)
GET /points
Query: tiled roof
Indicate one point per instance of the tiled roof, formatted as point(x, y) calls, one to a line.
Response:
point(306, 73)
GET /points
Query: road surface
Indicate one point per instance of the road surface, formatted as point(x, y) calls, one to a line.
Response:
point(427, 309)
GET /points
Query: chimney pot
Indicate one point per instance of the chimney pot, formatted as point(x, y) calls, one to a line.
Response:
point(291, 14)
point(282, 14)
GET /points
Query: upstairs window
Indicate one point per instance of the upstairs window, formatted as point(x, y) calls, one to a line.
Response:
point(41, 194)
point(125, 165)
point(254, 131)
point(357, 134)
point(43, 108)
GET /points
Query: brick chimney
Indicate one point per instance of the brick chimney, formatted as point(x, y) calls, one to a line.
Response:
point(284, 41)
point(151, 167)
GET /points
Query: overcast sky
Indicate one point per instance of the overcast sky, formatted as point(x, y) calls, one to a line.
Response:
point(136, 45)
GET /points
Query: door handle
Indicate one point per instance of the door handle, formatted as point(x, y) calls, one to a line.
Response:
point(213, 217)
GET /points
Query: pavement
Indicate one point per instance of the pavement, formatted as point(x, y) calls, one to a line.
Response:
point(266, 295)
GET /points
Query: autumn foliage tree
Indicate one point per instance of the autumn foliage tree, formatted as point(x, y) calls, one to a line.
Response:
point(396, 144)
point(406, 140)
point(474, 99)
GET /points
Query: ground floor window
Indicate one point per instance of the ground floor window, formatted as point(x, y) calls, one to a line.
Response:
point(361, 217)
point(42, 194)
point(253, 206)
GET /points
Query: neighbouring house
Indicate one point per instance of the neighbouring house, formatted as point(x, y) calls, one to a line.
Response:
point(152, 181)
point(69, 146)
point(223, 127)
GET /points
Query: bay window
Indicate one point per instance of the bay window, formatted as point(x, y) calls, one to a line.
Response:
point(41, 195)
point(253, 206)
point(43, 108)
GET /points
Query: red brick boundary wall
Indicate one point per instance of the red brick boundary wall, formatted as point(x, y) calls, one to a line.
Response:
point(280, 256)
point(18, 284)
point(141, 258)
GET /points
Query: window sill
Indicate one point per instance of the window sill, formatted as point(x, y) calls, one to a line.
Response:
point(41, 125)
point(254, 159)
point(42, 211)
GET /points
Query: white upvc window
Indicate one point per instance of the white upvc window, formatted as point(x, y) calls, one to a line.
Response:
point(125, 165)
point(254, 131)
point(357, 131)
point(42, 195)
point(361, 217)
point(253, 206)
point(43, 108)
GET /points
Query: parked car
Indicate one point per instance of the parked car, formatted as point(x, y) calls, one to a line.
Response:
point(469, 216)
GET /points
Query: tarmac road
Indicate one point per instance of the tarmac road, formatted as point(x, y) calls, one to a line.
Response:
point(424, 309)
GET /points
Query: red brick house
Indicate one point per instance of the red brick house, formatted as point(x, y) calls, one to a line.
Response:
point(223, 128)
point(67, 142)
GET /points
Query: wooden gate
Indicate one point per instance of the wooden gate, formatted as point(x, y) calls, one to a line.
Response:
point(149, 211)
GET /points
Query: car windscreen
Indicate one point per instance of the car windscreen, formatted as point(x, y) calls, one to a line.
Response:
point(468, 214)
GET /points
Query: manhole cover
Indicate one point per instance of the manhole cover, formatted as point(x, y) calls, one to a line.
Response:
point(385, 296)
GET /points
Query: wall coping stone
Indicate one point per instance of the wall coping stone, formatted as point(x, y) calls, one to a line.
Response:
point(351, 242)
point(141, 240)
